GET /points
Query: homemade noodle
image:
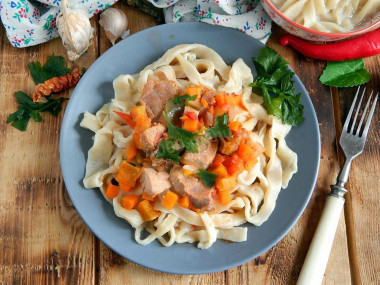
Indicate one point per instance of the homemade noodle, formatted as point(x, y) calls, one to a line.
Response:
point(254, 197)
point(331, 16)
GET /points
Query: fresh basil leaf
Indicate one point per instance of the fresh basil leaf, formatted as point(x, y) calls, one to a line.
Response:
point(166, 150)
point(54, 67)
point(220, 128)
point(345, 73)
point(184, 138)
point(274, 83)
point(184, 99)
point(207, 178)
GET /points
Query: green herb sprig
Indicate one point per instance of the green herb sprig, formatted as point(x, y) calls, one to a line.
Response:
point(184, 99)
point(166, 150)
point(207, 178)
point(274, 84)
point(220, 128)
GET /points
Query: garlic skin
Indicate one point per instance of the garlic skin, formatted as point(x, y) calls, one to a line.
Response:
point(115, 24)
point(75, 30)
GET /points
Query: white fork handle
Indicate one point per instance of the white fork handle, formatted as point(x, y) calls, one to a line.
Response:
point(317, 257)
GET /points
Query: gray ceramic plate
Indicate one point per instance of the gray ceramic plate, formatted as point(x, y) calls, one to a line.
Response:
point(95, 89)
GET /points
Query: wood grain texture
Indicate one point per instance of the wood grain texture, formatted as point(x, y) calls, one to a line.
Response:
point(42, 238)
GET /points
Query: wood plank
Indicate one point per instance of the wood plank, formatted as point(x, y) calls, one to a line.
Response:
point(42, 238)
point(361, 209)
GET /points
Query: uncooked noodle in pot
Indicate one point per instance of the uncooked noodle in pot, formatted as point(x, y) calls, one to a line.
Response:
point(254, 197)
point(330, 16)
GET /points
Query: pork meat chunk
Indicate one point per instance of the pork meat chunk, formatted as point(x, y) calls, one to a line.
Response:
point(204, 157)
point(155, 95)
point(150, 138)
point(154, 182)
point(199, 195)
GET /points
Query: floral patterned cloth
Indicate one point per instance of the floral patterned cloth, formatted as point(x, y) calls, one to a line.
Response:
point(31, 22)
point(247, 16)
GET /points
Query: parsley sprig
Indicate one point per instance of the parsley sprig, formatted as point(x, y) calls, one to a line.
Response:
point(184, 99)
point(166, 150)
point(184, 138)
point(207, 178)
point(27, 109)
point(220, 128)
point(275, 85)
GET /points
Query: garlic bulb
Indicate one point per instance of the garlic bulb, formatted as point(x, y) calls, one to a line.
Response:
point(115, 24)
point(75, 30)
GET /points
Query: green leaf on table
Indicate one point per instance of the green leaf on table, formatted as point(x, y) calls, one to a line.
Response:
point(166, 150)
point(220, 128)
point(274, 83)
point(28, 109)
point(54, 66)
point(184, 138)
point(207, 178)
point(345, 73)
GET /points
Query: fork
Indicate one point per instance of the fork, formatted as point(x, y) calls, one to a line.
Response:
point(352, 141)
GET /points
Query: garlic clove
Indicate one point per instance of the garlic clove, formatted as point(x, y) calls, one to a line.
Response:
point(75, 30)
point(115, 24)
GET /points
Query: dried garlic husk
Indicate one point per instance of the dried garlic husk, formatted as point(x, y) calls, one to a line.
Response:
point(75, 30)
point(115, 24)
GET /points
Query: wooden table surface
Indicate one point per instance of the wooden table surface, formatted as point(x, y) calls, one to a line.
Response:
point(43, 239)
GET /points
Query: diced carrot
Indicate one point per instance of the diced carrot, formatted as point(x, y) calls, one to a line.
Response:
point(112, 191)
point(220, 170)
point(194, 91)
point(146, 210)
point(142, 124)
point(192, 115)
point(235, 100)
point(127, 118)
point(220, 110)
point(220, 100)
point(125, 187)
point(129, 202)
point(224, 197)
point(169, 200)
point(147, 197)
point(225, 184)
point(234, 125)
point(184, 202)
point(190, 125)
point(131, 153)
point(234, 164)
point(245, 152)
point(204, 102)
point(211, 110)
point(128, 174)
point(218, 160)
point(138, 111)
point(137, 141)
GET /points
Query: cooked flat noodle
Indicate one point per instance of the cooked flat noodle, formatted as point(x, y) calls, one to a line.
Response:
point(255, 195)
point(330, 16)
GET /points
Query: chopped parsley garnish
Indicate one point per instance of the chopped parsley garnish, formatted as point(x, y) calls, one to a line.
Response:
point(184, 138)
point(207, 178)
point(166, 150)
point(275, 85)
point(27, 109)
point(184, 99)
point(220, 128)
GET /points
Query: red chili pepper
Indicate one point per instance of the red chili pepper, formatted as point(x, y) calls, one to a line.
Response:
point(127, 118)
point(359, 47)
point(192, 115)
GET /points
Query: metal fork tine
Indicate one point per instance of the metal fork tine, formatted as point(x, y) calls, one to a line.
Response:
point(364, 114)
point(357, 112)
point(366, 127)
point(351, 110)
